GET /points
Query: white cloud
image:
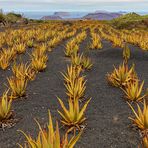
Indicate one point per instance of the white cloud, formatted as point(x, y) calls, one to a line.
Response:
point(89, 0)
point(80, 5)
point(68, 1)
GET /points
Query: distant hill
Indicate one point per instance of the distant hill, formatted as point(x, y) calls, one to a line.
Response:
point(98, 15)
point(56, 16)
point(62, 14)
point(131, 20)
point(101, 16)
point(67, 15)
point(51, 17)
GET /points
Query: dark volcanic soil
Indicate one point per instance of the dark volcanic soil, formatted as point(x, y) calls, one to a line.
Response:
point(108, 125)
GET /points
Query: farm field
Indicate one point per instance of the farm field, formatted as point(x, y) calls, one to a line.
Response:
point(99, 72)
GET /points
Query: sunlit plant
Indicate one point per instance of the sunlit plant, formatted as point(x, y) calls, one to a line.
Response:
point(122, 75)
point(95, 41)
point(50, 138)
point(141, 116)
point(30, 43)
point(73, 72)
point(86, 63)
point(17, 86)
point(77, 59)
point(145, 141)
point(133, 91)
point(126, 53)
point(39, 64)
point(73, 117)
point(76, 88)
point(20, 48)
point(20, 70)
point(5, 107)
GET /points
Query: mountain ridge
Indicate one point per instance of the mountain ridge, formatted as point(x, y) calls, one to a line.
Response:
point(97, 15)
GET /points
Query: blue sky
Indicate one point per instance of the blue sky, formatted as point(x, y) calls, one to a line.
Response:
point(74, 5)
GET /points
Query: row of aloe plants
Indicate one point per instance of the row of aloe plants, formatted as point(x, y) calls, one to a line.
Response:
point(125, 78)
point(73, 117)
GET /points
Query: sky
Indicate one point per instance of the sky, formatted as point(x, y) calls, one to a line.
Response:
point(74, 5)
